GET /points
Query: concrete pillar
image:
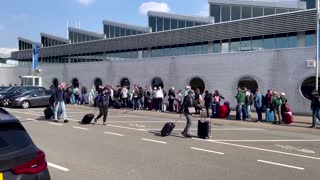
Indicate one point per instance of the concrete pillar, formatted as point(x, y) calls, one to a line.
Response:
point(301, 42)
point(140, 55)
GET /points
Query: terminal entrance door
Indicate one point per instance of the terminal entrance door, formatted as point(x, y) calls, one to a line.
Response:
point(30, 81)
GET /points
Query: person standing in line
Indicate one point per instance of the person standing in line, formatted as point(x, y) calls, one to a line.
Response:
point(179, 99)
point(154, 99)
point(188, 102)
point(136, 98)
point(240, 103)
point(258, 104)
point(160, 96)
point(276, 102)
point(103, 104)
point(283, 105)
point(207, 102)
point(248, 103)
point(59, 102)
point(217, 98)
point(146, 97)
point(124, 96)
point(171, 98)
point(315, 107)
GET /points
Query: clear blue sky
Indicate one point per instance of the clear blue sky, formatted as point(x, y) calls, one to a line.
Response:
point(27, 18)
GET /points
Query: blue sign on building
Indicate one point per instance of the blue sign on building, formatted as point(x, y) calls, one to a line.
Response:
point(35, 57)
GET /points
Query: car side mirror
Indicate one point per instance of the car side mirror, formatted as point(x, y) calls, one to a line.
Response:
point(34, 95)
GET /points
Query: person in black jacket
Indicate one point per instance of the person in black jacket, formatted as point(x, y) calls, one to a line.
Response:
point(103, 104)
point(315, 106)
point(188, 102)
point(59, 97)
point(171, 98)
point(207, 101)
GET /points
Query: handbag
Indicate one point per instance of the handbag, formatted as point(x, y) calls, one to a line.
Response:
point(192, 110)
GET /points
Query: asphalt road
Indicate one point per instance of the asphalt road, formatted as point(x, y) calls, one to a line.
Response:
point(130, 147)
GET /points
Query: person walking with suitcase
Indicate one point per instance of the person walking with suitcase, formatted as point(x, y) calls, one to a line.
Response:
point(315, 106)
point(187, 108)
point(103, 104)
point(59, 102)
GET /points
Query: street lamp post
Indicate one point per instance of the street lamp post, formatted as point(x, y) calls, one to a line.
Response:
point(318, 48)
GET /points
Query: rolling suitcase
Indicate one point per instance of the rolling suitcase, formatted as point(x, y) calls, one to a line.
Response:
point(48, 113)
point(204, 127)
point(87, 119)
point(269, 115)
point(288, 118)
point(223, 111)
point(167, 129)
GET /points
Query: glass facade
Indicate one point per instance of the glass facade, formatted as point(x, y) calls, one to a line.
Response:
point(269, 11)
point(47, 42)
point(153, 23)
point(159, 24)
point(310, 3)
point(269, 42)
point(246, 12)
point(256, 12)
point(311, 38)
point(235, 13)
point(215, 11)
point(76, 37)
point(174, 24)
point(114, 31)
point(24, 46)
point(225, 12)
point(164, 24)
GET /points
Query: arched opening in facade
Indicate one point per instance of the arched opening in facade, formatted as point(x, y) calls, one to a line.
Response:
point(308, 86)
point(97, 83)
point(125, 82)
point(55, 83)
point(249, 83)
point(196, 83)
point(75, 83)
point(157, 82)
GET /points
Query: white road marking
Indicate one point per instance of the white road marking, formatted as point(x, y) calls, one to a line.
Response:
point(262, 140)
point(218, 129)
point(76, 127)
point(123, 127)
point(261, 149)
point(137, 125)
point(56, 124)
point(29, 119)
point(151, 140)
point(205, 150)
point(287, 147)
point(278, 164)
point(116, 134)
point(143, 121)
point(18, 117)
point(58, 167)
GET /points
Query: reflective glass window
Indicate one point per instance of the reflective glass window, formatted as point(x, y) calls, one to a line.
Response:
point(128, 32)
point(235, 45)
point(189, 49)
point(174, 24)
point(111, 31)
point(174, 50)
point(123, 32)
point(189, 24)
point(166, 24)
point(310, 4)
point(269, 42)
point(153, 23)
point(310, 38)
point(257, 43)
point(159, 52)
point(116, 32)
point(146, 53)
point(159, 24)
point(134, 32)
point(292, 40)
point(181, 50)
point(166, 51)
point(181, 24)
point(256, 12)
point(269, 11)
point(225, 46)
point(205, 48)
point(197, 49)
point(281, 41)
point(154, 52)
point(197, 24)
point(216, 47)
point(106, 30)
point(225, 13)
point(215, 11)
point(246, 44)
point(235, 12)
point(281, 10)
point(246, 12)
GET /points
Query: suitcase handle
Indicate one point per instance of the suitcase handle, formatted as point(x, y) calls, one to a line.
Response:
point(203, 117)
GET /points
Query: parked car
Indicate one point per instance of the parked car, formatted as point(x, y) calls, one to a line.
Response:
point(13, 91)
point(3, 88)
point(31, 99)
point(19, 156)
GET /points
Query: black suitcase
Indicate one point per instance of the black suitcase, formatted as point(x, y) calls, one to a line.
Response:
point(167, 129)
point(204, 129)
point(48, 113)
point(87, 119)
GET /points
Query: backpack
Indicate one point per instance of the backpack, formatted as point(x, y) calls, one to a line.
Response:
point(251, 99)
point(51, 99)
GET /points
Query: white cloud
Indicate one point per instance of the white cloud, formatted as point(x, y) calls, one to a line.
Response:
point(85, 2)
point(154, 6)
point(204, 11)
point(6, 52)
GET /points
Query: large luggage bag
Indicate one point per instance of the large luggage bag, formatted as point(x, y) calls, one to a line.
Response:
point(270, 115)
point(167, 129)
point(204, 129)
point(223, 111)
point(288, 117)
point(87, 119)
point(48, 113)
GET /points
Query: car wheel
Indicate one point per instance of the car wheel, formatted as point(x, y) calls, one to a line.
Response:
point(25, 104)
point(5, 102)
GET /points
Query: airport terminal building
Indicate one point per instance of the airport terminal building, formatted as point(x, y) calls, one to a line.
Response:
point(257, 44)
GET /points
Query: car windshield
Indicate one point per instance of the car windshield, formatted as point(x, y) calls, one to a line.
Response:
point(29, 92)
point(11, 89)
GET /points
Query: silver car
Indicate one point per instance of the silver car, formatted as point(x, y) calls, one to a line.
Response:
point(33, 98)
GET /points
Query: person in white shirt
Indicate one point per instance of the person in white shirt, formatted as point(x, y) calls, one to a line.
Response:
point(160, 97)
point(124, 96)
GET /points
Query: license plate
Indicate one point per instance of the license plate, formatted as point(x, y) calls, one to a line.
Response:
point(1, 176)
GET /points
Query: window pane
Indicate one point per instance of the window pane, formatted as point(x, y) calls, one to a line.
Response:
point(133, 32)
point(123, 32)
point(106, 30)
point(159, 24)
point(182, 24)
point(225, 13)
point(281, 41)
point(166, 24)
point(310, 38)
point(257, 43)
point(174, 24)
point(292, 40)
point(269, 42)
point(174, 50)
point(235, 10)
point(189, 24)
point(197, 49)
point(256, 12)
point(225, 46)
point(279, 11)
point(111, 31)
point(128, 32)
point(245, 44)
point(154, 53)
point(269, 11)
point(235, 45)
point(197, 24)
point(246, 12)
point(159, 52)
point(117, 32)
point(189, 49)
point(205, 48)
point(181, 50)
point(216, 47)
point(215, 12)
point(166, 51)
point(152, 23)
